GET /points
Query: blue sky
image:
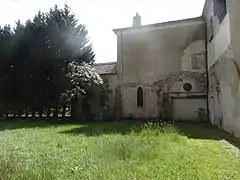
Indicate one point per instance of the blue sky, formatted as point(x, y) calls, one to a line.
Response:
point(102, 16)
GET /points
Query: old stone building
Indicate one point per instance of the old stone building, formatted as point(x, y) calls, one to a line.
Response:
point(222, 20)
point(181, 70)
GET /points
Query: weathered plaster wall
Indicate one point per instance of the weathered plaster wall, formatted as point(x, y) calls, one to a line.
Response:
point(169, 52)
point(111, 109)
point(223, 67)
point(188, 109)
point(112, 82)
point(130, 109)
point(234, 14)
point(221, 38)
point(233, 70)
point(98, 109)
point(194, 56)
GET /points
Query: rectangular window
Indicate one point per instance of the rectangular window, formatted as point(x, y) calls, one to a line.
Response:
point(220, 9)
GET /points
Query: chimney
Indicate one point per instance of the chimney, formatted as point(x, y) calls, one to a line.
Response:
point(137, 20)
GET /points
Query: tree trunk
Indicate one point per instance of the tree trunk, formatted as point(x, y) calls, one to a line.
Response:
point(40, 112)
point(87, 110)
point(34, 113)
point(64, 111)
point(26, 113)
point(74, 113)
point(48, 112)
point(56, 111)
point(19, 113)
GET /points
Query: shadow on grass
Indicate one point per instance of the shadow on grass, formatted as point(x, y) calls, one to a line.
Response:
point(87, 128)
point(105, 128)
point(192, 130)
point(204, 130)
point(11, 124)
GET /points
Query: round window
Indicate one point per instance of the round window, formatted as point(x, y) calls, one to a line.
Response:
point(187, 87)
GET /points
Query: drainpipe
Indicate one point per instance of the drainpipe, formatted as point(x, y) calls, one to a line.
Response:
point(121, 78)
point(207, 75)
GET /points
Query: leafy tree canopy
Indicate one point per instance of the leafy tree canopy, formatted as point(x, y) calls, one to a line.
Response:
point(46, 61)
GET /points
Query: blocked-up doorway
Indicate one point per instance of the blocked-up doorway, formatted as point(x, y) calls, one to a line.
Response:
point(188, 109)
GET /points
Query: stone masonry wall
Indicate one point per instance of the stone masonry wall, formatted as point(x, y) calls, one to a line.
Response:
point(148, 58)
point(223, 67)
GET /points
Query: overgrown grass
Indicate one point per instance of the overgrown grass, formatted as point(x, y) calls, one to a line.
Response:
point(118, 150)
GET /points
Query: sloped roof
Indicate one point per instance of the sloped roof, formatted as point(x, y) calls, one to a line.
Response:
point(106, 68)
point(169, 24)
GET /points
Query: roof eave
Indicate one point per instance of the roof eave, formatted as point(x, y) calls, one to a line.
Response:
point(157, 25)
point(110, 73)
point(116, 31)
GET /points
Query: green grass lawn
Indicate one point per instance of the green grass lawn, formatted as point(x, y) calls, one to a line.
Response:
point(116, 151)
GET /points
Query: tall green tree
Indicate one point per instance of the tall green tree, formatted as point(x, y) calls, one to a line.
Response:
point(7, 68)
point(46, 61)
